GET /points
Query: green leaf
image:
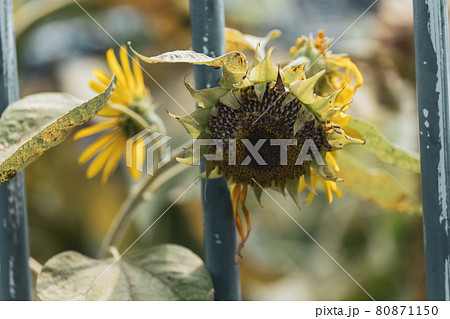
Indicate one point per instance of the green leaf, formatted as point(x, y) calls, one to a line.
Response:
point(195, 122)
point(165, 272)
point(264, 71)
point(206, 97)
point(292, 188)
point(375, 186)
point(36, 123)
point(380, 146)
point(258, 192)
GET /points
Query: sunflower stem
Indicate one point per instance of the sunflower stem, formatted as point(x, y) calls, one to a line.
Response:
point(433, 90)
point(15, 275)
point(128, 209)
point(219, 234)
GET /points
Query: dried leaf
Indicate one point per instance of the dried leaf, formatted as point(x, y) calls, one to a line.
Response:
point(36, 123)
point(165, 272)
point(380, 146)
point(235, 61)
point(375, 186)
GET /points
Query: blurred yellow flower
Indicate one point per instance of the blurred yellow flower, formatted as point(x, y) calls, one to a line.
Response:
point(130, 93)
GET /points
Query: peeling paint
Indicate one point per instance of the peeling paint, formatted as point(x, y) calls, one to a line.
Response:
point(217, 239)
point(442, 177)
point(447, 276)
point(12, 283)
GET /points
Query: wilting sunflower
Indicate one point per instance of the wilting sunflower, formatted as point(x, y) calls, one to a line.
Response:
point(340, 73)
point(128, 109)
point(262, 103)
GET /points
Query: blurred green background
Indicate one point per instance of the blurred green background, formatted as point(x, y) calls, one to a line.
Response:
point(58, 45)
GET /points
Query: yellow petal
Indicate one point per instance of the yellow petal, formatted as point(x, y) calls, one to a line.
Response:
point(101, 76)
point(96, 86)
point(124, 59)
point(349, 65)
point(99, 162)
point(92, 149)
point(302, 185)
point(138, 157)
point(114, 159)
point(121, 80)
point(115, 97)
point(139, 77)
point(107, 111)
point(345, 96)
point(115, 67)
point(94, 129)
point(134, 173)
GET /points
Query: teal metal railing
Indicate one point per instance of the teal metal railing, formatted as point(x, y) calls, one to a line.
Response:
point(208, 37)
point(432, 78)
point(15, 277)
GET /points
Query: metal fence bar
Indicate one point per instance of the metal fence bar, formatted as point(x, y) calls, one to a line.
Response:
point(15, 277)
point(432, 73)
point(207, 29)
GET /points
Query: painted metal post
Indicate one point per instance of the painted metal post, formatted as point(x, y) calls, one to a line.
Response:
point(15, 276)
point(432, 73)
point(208, 37)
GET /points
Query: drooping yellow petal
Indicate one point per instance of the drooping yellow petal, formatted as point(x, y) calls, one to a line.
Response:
point(336, 189)
point(236, 193)
point(92, 149)
point(332, 161)
point(114, 159)
point(311, 194)
point(99, 162)
point(124, 60)
point(243, 197)
point(246, 212)
point(345, 96)
point(94, 129)
point(328, 192)
point(350, 66)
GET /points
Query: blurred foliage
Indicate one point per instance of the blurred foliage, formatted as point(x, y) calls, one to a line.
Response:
point(382, 250)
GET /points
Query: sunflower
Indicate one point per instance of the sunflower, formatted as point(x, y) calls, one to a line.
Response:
point(129, 101)
point(260, 102)
point(340, 73)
